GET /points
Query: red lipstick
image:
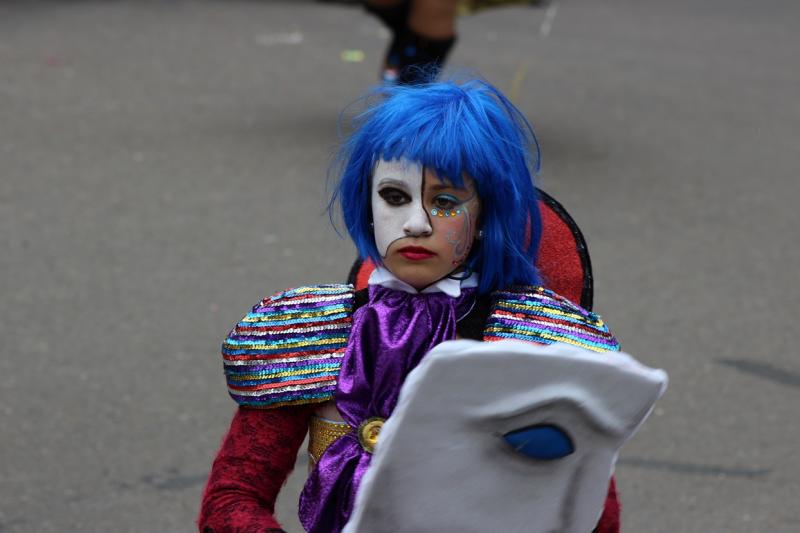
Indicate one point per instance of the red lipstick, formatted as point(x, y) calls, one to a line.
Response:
point(415, 253)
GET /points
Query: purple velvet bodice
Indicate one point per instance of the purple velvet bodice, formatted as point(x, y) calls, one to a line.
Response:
point(390, 335)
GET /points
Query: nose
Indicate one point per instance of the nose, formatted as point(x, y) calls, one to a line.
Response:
point(417, 224)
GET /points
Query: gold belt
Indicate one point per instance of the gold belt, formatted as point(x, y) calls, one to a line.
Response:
point(322, 432)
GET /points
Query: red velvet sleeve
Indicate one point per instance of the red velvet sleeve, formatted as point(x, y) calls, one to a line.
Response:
point(256, 457)
point(609, 520)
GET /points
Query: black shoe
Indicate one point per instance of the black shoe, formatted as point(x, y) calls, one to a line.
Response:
point(412, 59)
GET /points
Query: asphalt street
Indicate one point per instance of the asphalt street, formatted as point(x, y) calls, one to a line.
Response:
point(163, 167)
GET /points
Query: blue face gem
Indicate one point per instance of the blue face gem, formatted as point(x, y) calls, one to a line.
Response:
point(544, 442)
point(434, 212)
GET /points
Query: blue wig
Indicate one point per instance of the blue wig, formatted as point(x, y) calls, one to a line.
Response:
point(455, 128)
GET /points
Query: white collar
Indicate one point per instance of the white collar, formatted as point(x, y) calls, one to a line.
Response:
point(449, 286)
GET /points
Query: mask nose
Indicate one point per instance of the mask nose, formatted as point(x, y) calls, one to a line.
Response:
point(417, 224)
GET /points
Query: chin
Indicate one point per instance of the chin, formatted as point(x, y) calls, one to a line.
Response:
point(418, 282)
point(415, 275)
point(418, 274)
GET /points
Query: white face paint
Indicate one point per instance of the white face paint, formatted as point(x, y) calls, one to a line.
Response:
point(424, 225)
point(392, 180)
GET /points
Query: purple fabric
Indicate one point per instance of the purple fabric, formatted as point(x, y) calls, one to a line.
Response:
point(390, 336)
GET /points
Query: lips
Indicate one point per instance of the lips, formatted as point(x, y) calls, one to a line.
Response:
point(416, 253)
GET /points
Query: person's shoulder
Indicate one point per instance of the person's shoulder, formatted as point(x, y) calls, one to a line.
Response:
point(287, 350)
point(307, 296)
point(537, 314)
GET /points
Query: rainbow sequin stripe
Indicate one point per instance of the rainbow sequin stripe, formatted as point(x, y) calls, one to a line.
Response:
point(539, 315)
point(288, 350)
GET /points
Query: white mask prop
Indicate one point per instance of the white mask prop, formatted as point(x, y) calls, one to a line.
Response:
point(504, 436)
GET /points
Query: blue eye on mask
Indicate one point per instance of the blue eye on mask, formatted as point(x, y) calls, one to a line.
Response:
point(544, 442)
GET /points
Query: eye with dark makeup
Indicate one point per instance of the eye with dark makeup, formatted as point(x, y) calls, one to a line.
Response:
point(394, 196)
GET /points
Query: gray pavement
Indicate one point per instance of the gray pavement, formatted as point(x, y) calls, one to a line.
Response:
point(162, 167)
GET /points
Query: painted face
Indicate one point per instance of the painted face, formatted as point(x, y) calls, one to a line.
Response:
point(424, 225)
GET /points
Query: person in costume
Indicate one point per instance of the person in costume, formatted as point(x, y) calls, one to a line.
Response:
point(436, 189)
point(422, 34)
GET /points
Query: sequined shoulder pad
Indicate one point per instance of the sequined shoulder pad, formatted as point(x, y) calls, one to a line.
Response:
point(539, 315)
point(288, 349)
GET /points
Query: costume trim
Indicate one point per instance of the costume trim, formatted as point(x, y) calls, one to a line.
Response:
point(288, 349)
point(321, 434)
point(536, 314)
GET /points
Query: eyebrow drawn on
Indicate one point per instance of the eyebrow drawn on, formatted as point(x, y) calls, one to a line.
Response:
point(393, 181)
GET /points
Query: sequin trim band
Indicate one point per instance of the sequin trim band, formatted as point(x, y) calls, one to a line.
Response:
point(288, 349)
point(537, 314)
point(322, 433)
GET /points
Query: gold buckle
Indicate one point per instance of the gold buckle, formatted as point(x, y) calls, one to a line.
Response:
point(368, 432)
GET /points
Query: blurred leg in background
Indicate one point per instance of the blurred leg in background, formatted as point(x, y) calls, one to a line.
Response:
point(423, 32)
